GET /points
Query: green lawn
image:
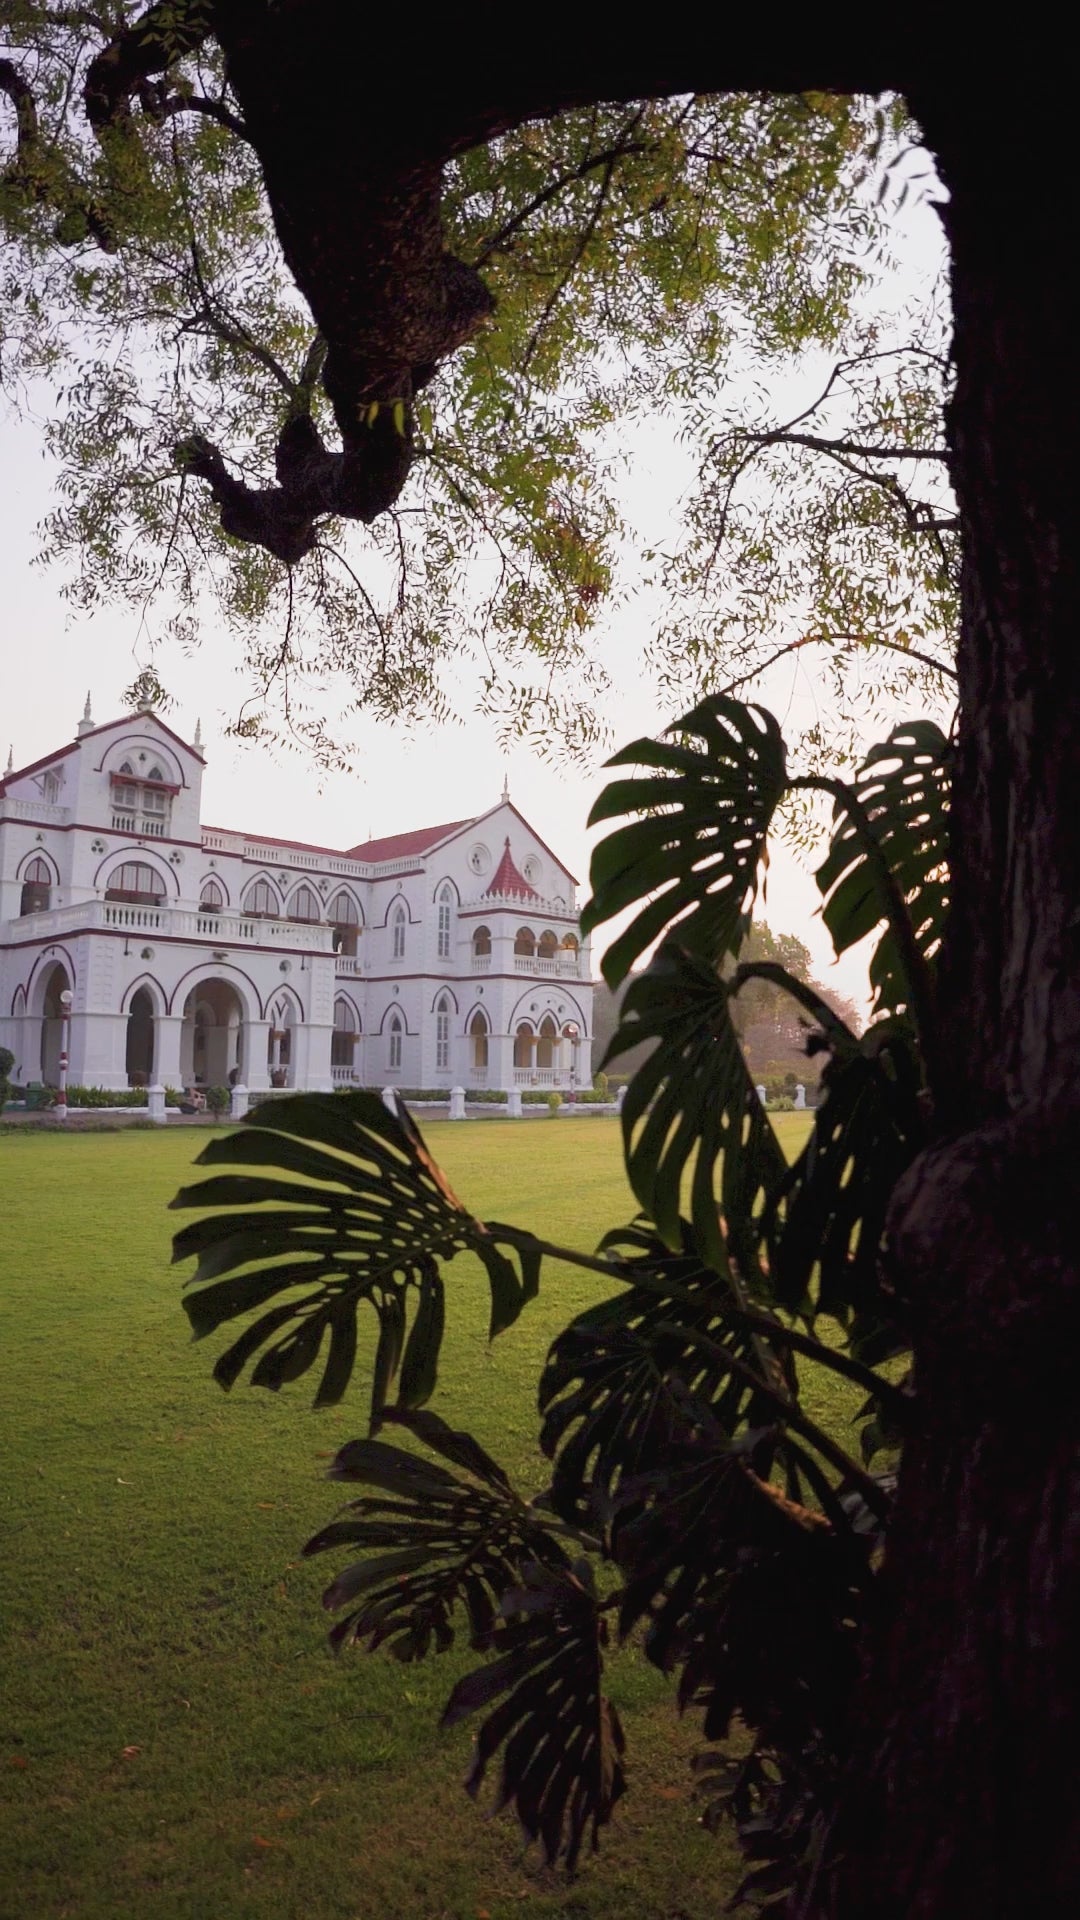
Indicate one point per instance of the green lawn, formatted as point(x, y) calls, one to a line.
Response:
point(175, 1739)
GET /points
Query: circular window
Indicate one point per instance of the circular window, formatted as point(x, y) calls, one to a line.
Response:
point(533, 871)
point(479, 858)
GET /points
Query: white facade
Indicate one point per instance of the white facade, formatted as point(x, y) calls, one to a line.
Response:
point(448, 956)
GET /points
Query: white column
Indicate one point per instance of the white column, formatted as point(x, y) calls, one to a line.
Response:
point(311, 1058)
point(168, 1028)
point(97, 1050)
point(253, 1066)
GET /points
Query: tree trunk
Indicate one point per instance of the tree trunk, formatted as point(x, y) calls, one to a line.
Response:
point(965, 1792)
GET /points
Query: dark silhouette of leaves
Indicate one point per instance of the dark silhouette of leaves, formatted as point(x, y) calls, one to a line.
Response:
point(448, 1540)
point(351, 1209)
point(693, 853)
point(562, 1741)
point(692, 1106)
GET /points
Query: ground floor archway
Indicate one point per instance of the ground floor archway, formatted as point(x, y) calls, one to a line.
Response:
point(55, 1017)
point(139, 1054)
point(212, 1036)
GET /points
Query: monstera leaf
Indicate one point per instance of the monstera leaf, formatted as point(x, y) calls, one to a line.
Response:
point(902, 789)
point(562, 1761)
point(333, 1202)
point(446, 1540)
point(692, 855)
point(692, 1105)
point(823, 1227)
point(628, 1380)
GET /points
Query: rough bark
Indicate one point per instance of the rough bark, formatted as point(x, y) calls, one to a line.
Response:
point(966, 1784)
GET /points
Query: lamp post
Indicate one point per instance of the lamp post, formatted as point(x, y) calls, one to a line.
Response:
point(572, 1031)
point(65, 1023)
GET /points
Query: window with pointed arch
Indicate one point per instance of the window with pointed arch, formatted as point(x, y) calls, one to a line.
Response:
point(211, 897)
point(446, 903)
point(398, 926)
point(524, 1039)
point(36, 887)
point(442, 1035)
point(395, 1031)
point(303, 906)
point(260, 901)
point(344, 916)
point(481, 943)
point(154, 798)
point(478, 1039)
point(344, 1037)
point(546, 1044)
point(137, 883)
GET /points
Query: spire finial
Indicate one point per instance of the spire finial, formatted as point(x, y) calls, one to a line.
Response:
point(10, 768)
point(506, 786)
point(197, 742)
point(86, 724)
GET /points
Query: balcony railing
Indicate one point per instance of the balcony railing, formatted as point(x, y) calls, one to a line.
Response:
point(539, 1077)
point(40, 811)
point(348, 963)
point(346, 1076)
point(566, 964)
point(180, 923)
point(481, 963)
point(147, 828)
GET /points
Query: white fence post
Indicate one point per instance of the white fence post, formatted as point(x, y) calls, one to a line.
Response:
point(155, 1105)
point(239, 1103)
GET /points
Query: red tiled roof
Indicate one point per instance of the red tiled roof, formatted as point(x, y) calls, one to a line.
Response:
point(400, 846)
point(507, 879)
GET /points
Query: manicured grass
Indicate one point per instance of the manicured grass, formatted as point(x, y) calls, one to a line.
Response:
point(175, 1739)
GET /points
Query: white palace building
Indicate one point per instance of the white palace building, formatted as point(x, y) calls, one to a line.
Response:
point(167, 952)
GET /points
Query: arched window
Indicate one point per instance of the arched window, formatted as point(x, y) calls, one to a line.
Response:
point(548, 945)
point(569, 943)
point(442, 1035)
point(525, 942)
point(211, 897)
point(125, 796)
point(545, 1046)
point(260, 901)
point(303, 905)
point(478, 1036)
point(154, 798)
point(398, 924)
point(395, 1043)
point(36, 888)
point(523, 1045)
point(481, 943)
point(137, 883)
point(344, 916)
point(446, 899)
point(343, 1038)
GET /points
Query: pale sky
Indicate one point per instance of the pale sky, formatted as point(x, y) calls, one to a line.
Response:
point(50, 657)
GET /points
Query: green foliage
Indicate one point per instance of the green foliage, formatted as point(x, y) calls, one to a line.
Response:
point(743, 1537)
point(109, 1097)
point(218, 1099)
point(634, 251)
point(554, 1102)
point(7, 1061)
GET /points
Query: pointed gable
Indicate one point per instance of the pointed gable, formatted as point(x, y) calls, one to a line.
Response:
point(507, 879)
